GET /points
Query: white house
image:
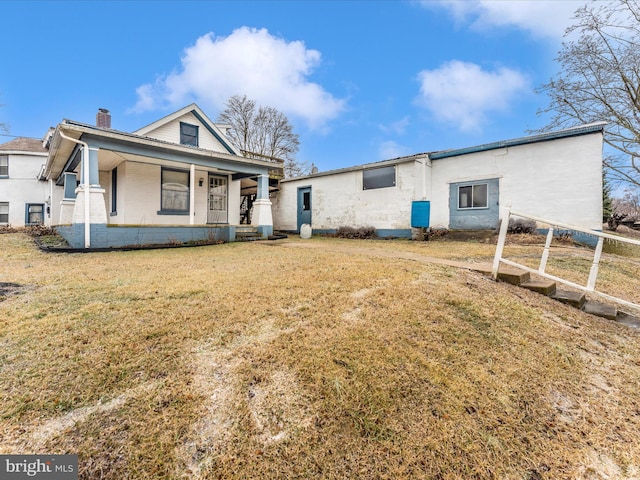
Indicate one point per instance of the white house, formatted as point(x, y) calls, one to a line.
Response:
point(555, 175)
point(176, 180)
point(24, 200)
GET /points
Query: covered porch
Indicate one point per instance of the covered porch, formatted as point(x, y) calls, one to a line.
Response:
point(122, 189)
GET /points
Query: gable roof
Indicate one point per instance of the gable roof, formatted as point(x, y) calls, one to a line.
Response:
point(201, 116)
point(23, 144)
point(542, 137)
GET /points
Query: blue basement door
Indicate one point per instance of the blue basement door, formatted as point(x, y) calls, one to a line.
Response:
point(304, 206)
point(474, 205)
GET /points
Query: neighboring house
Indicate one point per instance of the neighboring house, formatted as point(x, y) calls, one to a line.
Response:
point(557, 176)
point(176, 180)
point(24, 200)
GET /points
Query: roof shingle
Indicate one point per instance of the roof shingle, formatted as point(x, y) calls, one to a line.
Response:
point(23, 144)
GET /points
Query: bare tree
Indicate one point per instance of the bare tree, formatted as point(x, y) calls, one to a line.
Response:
point(262, 132)
point(599, 80)
point(4, 127)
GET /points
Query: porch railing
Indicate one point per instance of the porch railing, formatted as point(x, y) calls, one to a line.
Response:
point(590, 287)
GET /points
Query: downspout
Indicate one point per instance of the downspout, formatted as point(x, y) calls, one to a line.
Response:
point(425, 162)
point(86, 180)
point(50, 202)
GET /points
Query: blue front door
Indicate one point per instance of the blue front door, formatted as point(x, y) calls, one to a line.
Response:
point(474, 205)
point(304, 206)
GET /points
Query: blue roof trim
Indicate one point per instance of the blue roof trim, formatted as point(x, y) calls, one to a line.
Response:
point(213, 132)
point(543, 137)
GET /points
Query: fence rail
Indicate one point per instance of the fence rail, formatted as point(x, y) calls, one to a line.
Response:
point(590, 287)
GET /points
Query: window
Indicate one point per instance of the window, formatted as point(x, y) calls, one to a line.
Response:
point(34, 214)
point(114, 191)
point(473, 196)
point(188, 134)
point(4, 212)
point(381, 177)
point(4, 165)
point(175, 191)
point(306, 201)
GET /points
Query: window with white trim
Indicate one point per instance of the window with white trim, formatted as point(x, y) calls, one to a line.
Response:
point(4, 213)
point(473, 196)
point(175, 191)
point(4, 166)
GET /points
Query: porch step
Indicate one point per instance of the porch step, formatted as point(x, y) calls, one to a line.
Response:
point(514, 276)
point(575, 299)
point(600, 309)
point(544, 287)
point(247, 234)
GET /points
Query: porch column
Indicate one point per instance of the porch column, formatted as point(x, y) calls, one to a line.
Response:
point(89, 220)
point(261, 216)
point(192, 194)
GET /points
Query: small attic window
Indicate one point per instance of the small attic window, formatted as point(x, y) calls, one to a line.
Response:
point(188, 134)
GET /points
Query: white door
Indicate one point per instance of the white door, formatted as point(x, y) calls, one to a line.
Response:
point(217, 200)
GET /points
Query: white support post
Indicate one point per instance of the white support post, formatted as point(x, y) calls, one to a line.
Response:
point(192, 194)
point(593, 274)
point(545, 252)
point(502, 237)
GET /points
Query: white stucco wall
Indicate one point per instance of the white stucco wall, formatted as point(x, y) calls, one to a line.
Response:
point(560, 180)
point(23, 187)
point(170, 132)
point(339, 200)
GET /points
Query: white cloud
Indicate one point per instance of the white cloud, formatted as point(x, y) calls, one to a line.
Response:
point(541, 18)
point(391, 149)
point(399, 127)
point(249, 62)
point(462, 94)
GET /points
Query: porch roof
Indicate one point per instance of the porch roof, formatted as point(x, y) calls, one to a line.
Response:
point(61, 150)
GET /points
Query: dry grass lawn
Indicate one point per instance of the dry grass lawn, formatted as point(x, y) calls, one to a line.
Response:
point(318, 359)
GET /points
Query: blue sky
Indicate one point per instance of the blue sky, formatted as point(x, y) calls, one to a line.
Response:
point(361, 81)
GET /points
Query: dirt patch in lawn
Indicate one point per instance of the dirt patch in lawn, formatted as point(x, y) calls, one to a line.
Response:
point(7, 289)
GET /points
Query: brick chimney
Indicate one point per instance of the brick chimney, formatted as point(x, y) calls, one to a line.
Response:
point(103, 118)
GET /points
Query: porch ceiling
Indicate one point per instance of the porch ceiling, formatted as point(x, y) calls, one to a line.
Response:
point(109, 159)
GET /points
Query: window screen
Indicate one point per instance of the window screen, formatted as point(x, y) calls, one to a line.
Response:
point(381, 177)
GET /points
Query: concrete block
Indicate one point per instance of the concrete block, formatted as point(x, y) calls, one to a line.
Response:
point(545, 287)
point(514, 276)
point(575, 299)
point(601, 309)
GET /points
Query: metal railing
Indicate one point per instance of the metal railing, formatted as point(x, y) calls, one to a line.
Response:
point(590, 287)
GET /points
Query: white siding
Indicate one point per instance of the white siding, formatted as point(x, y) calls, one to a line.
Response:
point(22, 187)
point(170, 132)
point(139, 193)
